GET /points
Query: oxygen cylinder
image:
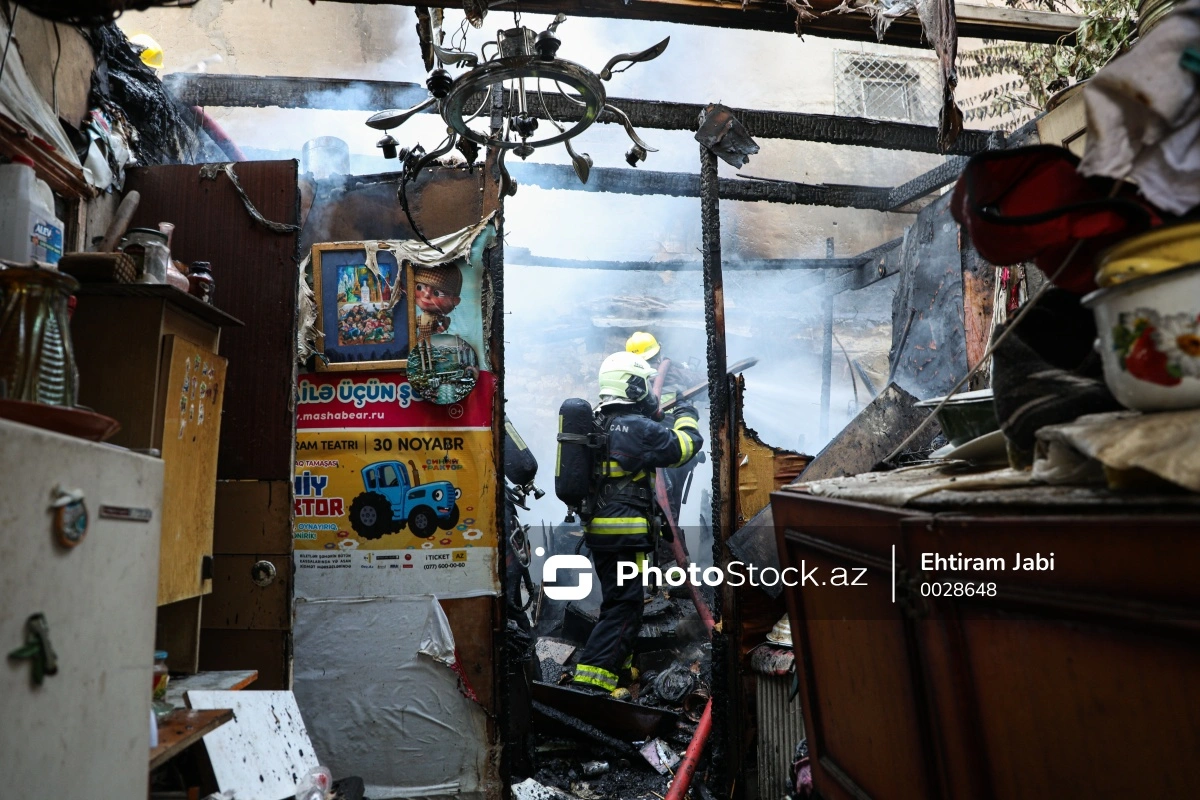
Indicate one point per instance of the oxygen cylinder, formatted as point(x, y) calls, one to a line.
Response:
point(520, 466)
point(573, 470)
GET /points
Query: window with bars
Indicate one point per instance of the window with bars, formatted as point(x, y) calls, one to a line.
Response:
point(886, 87)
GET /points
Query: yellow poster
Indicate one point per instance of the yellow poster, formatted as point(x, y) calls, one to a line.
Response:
point(393, 496)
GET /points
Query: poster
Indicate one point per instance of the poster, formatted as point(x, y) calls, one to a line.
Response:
point(394, 496)
point(363, 313)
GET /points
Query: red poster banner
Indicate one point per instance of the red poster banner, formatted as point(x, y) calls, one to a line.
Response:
point(327, 401)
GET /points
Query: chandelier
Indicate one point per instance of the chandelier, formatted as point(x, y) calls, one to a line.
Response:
point(523, 67)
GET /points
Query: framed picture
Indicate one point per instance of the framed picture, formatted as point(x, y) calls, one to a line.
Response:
point(364, 317)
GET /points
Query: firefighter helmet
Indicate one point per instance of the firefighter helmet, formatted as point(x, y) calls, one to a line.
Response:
point(625, 378)
point(642, 344)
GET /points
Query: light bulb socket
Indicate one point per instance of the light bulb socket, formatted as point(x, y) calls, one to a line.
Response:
point(526, 124)
point(547, 45)
point(439, 83)
point(389, 146)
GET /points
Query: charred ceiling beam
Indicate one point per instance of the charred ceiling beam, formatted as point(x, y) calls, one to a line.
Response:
point(521, 256)
point(974, 21)
point(255, 91)
point(680, 184)
point(249, 91)
point(942, 175)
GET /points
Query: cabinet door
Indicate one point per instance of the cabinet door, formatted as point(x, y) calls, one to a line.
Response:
point(85, 733)
point(193, 392)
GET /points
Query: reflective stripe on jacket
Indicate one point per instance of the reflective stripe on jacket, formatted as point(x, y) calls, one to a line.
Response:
point(636, 447)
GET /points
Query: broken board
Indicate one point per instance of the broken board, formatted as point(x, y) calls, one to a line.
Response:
point(871, 436)
point(265, 751)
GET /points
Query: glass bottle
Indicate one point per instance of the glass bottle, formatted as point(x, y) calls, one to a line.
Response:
point(201, 280)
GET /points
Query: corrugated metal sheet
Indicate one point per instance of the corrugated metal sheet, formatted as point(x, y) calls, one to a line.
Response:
point(780, 729)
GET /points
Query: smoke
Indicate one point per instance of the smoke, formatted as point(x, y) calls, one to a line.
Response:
point(561, 322)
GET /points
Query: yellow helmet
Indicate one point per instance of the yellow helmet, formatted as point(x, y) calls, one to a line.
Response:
point(642, 344)
point(151, 51)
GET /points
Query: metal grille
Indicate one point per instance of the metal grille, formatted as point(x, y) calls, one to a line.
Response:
point(887, 87)
point(780, 729)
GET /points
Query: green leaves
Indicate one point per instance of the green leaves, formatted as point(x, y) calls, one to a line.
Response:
point(1032, 73)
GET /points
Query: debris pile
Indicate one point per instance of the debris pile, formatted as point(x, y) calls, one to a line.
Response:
point(628, 744)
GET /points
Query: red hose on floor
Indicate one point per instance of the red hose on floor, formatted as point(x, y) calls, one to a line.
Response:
point(687, 767)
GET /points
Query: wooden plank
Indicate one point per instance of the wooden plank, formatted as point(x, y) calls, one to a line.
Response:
point(253, 517)
point(238, 602)
point(266, 751)
point(981, 22)
point(193, 391)
point(472, 620)
point(257, 278)
point(224, 681)
point(182, 728)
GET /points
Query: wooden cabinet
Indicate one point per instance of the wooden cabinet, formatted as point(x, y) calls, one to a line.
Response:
point(85, 732)
point(147, 357)
point(1078, 682)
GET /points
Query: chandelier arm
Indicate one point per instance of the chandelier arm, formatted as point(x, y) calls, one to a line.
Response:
point(621, 115)
point(546, 111)
point(568, 97)
point(482, 105)
point(649, 54)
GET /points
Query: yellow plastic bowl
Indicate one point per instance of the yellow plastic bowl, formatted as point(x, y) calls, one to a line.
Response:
point(1160, 250)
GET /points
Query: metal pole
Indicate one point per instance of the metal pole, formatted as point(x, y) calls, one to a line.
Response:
point(826, 348)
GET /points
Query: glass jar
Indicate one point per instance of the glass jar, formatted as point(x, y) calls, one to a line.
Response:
point(37, 360)
point(148, 249)
point(161, 676)
point(201, 280)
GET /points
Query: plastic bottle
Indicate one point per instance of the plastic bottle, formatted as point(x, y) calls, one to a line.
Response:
point(29, 231)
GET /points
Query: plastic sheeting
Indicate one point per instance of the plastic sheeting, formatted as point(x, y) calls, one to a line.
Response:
point(20, 101)
point(379, 709)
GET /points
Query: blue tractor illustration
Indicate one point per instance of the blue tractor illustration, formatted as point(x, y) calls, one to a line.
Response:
point(395, 497)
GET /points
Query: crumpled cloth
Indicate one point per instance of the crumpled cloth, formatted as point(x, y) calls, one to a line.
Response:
point(1165, 443)
point(1143, 115)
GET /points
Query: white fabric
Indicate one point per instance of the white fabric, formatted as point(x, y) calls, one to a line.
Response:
point(1143, 115)
point(21, 102)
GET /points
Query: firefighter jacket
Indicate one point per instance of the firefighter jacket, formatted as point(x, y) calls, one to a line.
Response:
point(636, 447)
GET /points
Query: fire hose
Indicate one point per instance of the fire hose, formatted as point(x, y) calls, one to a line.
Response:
point(691, 757)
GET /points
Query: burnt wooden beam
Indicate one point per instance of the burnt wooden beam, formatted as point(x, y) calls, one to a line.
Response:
point(982, 22)
point(523, 257)
point(257, 91)
point(680, 184)
point(250, 91)
point(942, 175)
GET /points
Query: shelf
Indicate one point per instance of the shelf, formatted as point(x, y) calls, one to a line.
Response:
point(227, 681)
point(65, 178)
point(189, 303)
point(182, 728)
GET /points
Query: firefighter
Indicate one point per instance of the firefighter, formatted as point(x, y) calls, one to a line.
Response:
point(678, 378)
point(625, 525)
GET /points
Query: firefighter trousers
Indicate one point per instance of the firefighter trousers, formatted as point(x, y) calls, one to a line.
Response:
point(609, 649)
